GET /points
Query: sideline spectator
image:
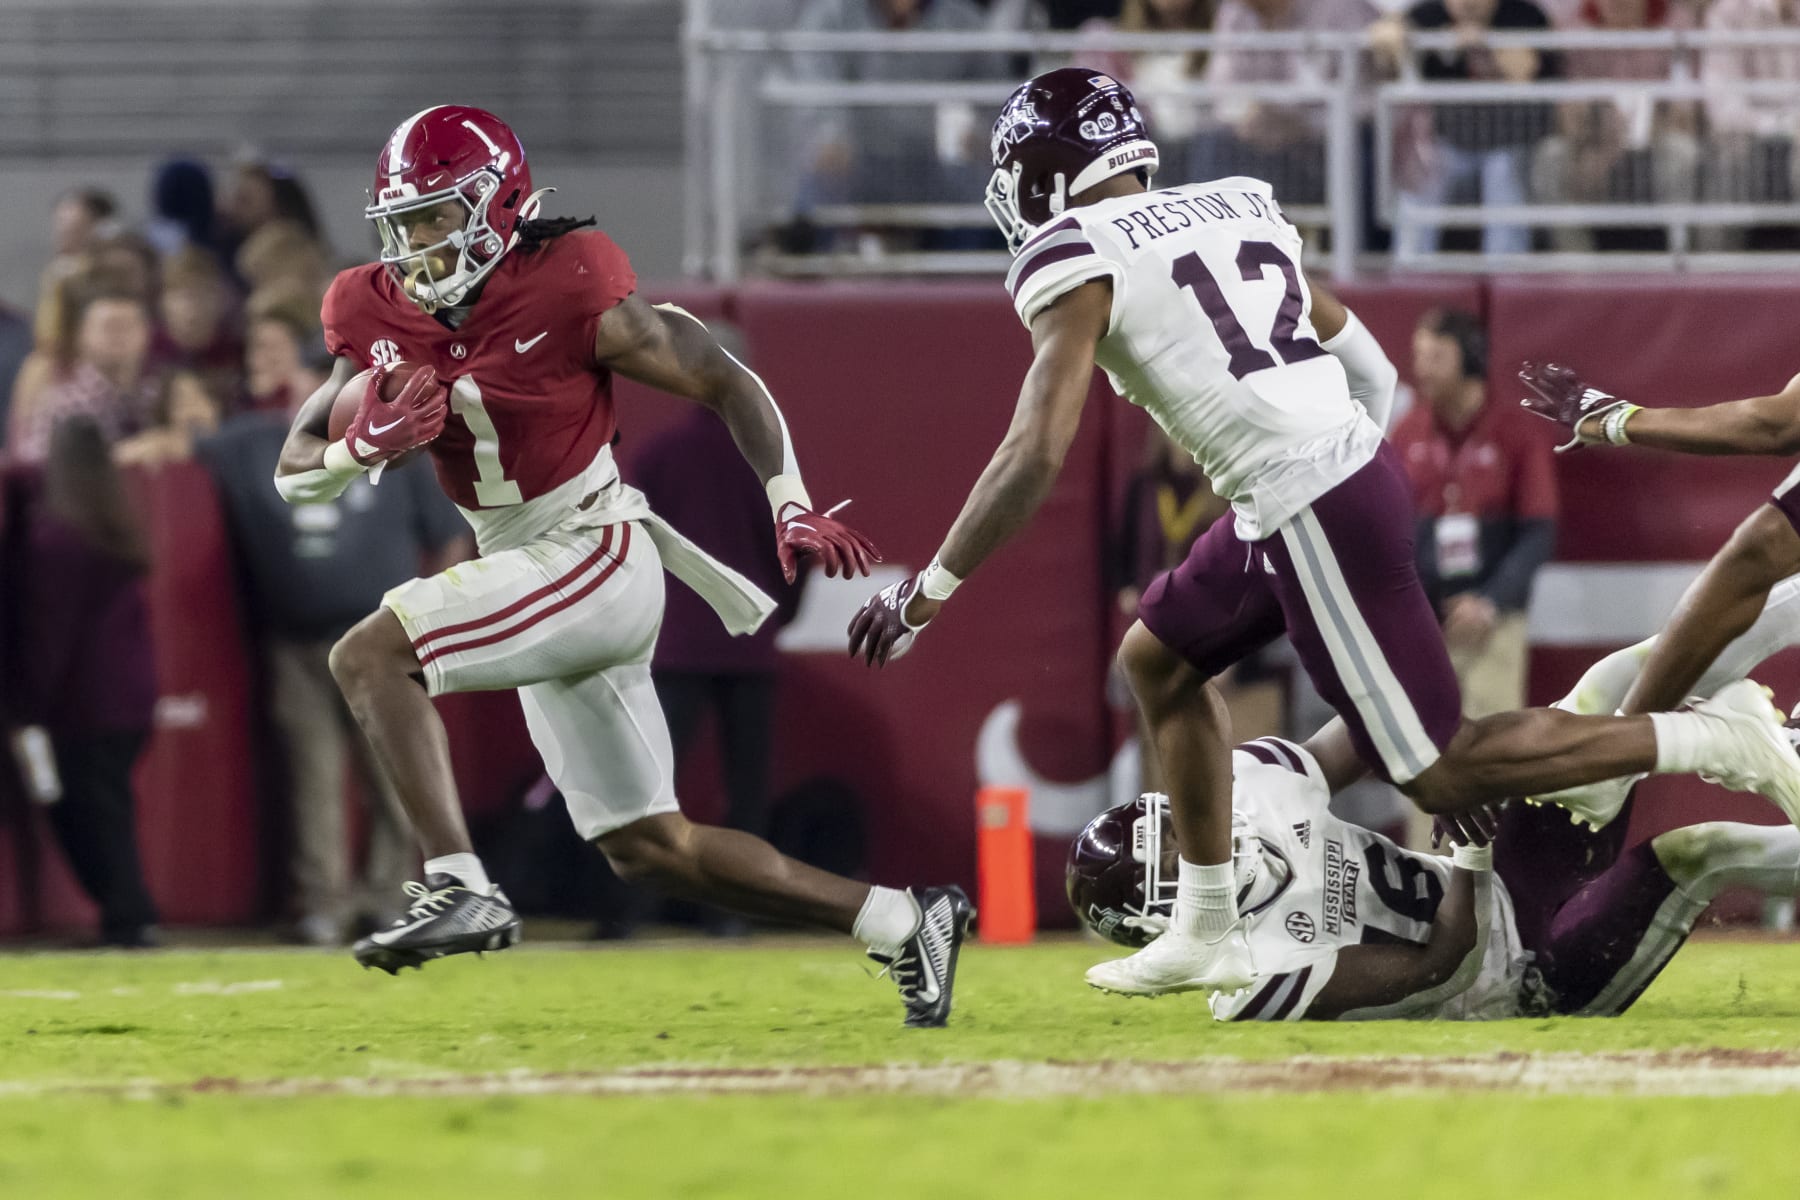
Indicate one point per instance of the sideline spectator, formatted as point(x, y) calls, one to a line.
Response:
point(1627, 150)
point(884, 155)
point(1751, 150)
point(99, 371)
point(79, 642)
point(282, 348)
point(1284, 144)
point(81, 217)
point(310, 573)
point(182, 212)
point(1485, 490)
point(15, 348)
point(1158, 80)
point(699, 667)
point(197, 334)
point(1488, 145)
point(1168, 504)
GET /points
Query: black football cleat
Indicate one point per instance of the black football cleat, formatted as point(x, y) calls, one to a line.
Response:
point(445, 918)
point(925, 968)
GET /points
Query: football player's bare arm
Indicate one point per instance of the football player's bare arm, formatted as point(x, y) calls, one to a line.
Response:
point(302, 474)
point(669, 349)
point(1030, 457)
point(1375, 976)
point(1758, 425)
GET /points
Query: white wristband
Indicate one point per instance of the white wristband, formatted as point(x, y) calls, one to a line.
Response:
point(1472, 858)
point(786, 489)
point(339, 460)
point(1614, 424)
point(936, 582)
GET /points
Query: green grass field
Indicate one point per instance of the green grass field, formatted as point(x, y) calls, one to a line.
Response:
point(685, 1069)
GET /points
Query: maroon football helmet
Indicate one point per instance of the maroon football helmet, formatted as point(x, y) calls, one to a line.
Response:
point(1121, 875)
point(450, 152)
point(1060, 134)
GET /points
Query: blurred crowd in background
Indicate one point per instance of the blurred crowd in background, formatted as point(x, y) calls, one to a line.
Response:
point(1733, 146)
point(193, 335)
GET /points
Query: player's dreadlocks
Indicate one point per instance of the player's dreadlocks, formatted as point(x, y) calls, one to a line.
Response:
point(533, 234)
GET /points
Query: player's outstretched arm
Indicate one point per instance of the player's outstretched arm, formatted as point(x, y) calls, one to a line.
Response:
point(1017, 478)
point(669, 348)
point(1375, 976)
point(302, 475)
point(1758, 425)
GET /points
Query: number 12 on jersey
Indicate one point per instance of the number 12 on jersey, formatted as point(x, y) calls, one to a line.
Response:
point(1253, 261)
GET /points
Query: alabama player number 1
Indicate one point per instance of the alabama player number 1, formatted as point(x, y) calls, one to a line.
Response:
point(492, 487)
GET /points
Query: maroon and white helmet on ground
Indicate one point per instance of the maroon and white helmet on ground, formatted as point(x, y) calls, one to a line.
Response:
point(1122, 873)
point(450, 152)
point(1060, 134)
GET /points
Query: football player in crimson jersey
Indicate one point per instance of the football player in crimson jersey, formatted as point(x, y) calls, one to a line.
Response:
point(1739, 610)
point(1194, 301)
point(517, 324)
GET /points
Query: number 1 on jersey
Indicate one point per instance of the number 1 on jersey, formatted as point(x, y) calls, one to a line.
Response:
point(492, 487)
point(1253, 260)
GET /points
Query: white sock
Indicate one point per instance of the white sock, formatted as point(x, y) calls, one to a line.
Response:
point(1683, 742)
point(888, 917)
point(466, 869)
point(1205, 900)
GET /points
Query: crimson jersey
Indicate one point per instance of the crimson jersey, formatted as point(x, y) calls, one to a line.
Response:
point(531, 409)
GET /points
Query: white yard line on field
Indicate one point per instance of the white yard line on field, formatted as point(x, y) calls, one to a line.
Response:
point(1660, 1073)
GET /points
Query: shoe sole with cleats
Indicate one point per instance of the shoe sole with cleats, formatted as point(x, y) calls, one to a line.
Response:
point(393, 959)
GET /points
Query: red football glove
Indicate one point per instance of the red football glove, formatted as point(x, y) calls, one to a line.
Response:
point(383, 430)
point(880, 631)
point(841, 549)
point(1563, 397)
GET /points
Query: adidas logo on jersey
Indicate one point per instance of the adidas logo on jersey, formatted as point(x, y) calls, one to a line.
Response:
point(1303, 831)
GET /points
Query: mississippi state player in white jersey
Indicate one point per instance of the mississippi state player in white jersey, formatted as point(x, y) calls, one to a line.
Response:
point(517, 325)
point(1193, 300)
point(1345, 924)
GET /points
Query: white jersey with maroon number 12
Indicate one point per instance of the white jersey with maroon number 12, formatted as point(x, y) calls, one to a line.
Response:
point(1211, 335)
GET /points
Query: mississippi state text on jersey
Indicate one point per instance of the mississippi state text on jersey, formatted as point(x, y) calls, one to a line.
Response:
point(1325, 884)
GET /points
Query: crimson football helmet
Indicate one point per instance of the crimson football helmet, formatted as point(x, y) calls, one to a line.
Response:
point(1060, 134)
point(450, 152)
point(1121, 875)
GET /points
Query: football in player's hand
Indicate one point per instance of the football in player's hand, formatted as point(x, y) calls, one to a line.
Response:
point(350, 397)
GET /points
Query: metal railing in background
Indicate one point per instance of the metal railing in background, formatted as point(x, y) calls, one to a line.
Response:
point(1378, 149)
point(142, 78)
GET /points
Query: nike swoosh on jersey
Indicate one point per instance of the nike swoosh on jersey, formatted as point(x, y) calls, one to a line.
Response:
point(373, 429)
point(522, 347)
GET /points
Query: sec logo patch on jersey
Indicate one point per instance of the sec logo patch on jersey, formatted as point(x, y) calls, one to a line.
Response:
point(1301, 926)
point(384, 353)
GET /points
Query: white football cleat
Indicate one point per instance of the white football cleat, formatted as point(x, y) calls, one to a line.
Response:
point(1754, 753)
point(1592, 804)
point(1178, 962)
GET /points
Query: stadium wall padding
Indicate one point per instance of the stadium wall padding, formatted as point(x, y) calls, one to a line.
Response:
point(897, 393)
